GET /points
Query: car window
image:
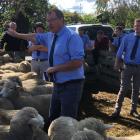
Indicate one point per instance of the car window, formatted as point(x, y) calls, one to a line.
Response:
point(92, 31)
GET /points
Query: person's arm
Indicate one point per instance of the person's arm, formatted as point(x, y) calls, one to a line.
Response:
point(71, 65)
point(29, 37)
point(118, 61)
point(38, 48)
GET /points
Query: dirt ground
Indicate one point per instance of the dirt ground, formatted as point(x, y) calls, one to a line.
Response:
point(98, 101)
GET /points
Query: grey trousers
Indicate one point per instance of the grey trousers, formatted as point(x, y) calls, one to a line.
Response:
point(130, 74)
point(39, 67)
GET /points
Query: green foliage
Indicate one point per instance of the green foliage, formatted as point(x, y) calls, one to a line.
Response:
point(124, 11)
point(72, 17)
point(89, 19)
point(31, 10)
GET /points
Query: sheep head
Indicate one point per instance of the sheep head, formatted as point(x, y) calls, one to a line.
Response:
point(10, 89)
point(23, 124)
point(62, 128)
point(95, 125)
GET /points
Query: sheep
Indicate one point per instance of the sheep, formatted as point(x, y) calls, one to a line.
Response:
point(6, 104)
point(94, 124)
point(5, 58)
point(10, 66)
point(33, 82)
point(39, 90)
point(7, 75)
point(40, 102)
point(6, 116)
point(12, 78)
point(87, 135)
point(28, 75)
point(62, 128)
point(24, 66)
point(26, 125)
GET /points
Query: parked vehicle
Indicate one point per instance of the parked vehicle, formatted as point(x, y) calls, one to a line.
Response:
point(91, 29)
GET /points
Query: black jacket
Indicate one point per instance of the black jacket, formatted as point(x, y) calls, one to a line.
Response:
point(10, 43)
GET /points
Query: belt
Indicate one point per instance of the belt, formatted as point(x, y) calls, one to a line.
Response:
point(70, 81)
point(133, 65)
point(40, 60)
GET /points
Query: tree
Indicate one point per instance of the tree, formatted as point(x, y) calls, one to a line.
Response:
point(28, 10)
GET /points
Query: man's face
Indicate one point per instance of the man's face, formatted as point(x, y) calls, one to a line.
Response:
point(137, 27)
point(118, 32)
point(81, 32)
point(54, 23)
point(13, 26)
point(39, 30)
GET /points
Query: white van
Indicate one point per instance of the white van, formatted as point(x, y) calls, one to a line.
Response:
point(75, 27)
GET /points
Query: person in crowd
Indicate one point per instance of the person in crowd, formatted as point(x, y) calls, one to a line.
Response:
point(101, 43)
point(66, 56)
point(114, 46)
point(85, 39)
point(39, 62)
point(130, 48)
point(12, 45)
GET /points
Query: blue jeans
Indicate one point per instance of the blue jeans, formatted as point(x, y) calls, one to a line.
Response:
point(65, 99)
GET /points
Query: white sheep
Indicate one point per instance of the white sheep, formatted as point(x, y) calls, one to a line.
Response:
point(62, 128)
point(23, 66)
point(10, 66)
point(5, 58)
point(6, 116)
point(87, 135)
point(40, 102)
point(26, 125)
point(28, 75)
point(6, 104)
point(7, 75)
point(95, 125)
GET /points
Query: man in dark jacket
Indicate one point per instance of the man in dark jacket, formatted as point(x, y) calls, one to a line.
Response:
point(12, 45)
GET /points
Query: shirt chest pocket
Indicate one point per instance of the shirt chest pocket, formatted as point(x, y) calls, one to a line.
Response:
point(61, 52)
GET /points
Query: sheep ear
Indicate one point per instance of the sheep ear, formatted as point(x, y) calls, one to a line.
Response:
point(108, 126)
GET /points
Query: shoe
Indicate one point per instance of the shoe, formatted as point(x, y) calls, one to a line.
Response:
point(134, 113)
point(115, 115)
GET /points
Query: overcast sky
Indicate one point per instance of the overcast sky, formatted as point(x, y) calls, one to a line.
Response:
point(81, 6)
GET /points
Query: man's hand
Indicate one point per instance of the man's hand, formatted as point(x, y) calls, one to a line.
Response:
point(118, 64)
point(51, 70)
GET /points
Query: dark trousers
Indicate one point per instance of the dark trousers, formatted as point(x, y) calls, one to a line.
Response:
point(65, 99)
point(95, 54)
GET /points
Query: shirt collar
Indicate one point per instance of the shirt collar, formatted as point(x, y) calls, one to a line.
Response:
point(62, 30)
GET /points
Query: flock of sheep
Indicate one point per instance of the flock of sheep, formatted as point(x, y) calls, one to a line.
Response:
point(24, 108)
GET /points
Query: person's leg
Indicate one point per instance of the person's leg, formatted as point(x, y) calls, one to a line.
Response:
point(126, 75)
point(135, 89)
point(55, 106)
point(43, 67)
point(35, 67)
point(95, 54)
point(70, 98)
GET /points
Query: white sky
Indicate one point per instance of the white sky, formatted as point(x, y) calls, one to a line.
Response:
point(82, 6)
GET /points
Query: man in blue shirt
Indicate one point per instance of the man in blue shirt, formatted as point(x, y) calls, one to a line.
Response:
point(130, 48)
point(85, 39)
point(66, 64)
point(39, 62)
point(118, 39)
